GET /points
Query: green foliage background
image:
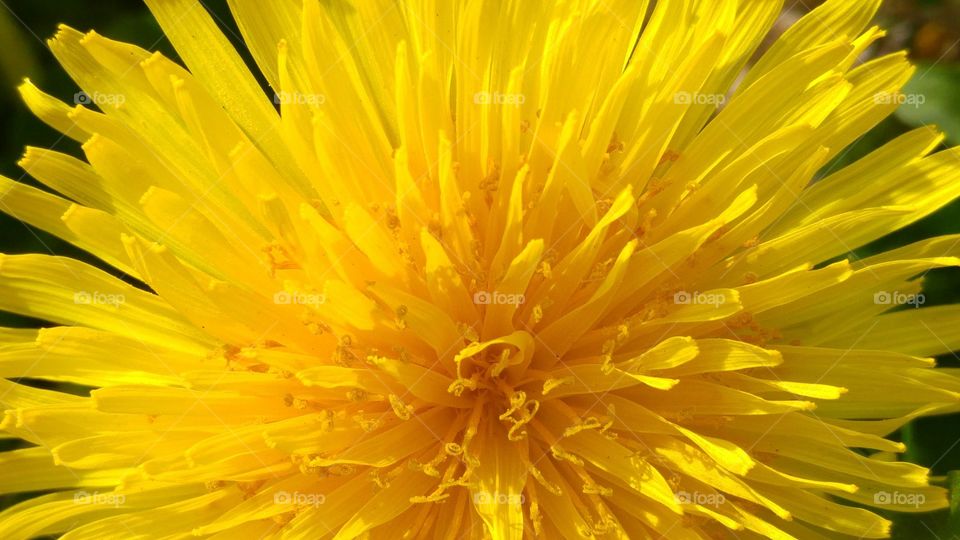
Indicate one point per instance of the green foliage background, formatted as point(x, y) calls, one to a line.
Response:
point(929, 28)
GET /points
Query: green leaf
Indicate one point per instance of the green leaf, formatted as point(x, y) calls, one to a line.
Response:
point(953, 484)
point(930, 98)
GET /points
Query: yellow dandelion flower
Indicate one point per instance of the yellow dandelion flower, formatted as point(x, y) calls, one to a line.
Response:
point(478, 269)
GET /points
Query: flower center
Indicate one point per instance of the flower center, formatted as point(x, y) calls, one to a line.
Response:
point(493, 370)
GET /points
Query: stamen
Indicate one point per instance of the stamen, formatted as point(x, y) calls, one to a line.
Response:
point(537, 314)
point(553, 383)
point(596, 489)
point(368, 424)
point(536, 518)
point(473, 424)
point(590, 423)
point(401, 315)
point(537, 475)
point(401, 409)
point(560, 453)
point(459, 385)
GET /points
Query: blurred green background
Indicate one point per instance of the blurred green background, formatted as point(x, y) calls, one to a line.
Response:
point(929, 29)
